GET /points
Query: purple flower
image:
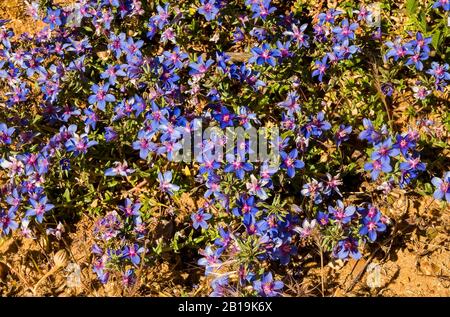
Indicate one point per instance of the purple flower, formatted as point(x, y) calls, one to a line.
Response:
point(264, 54)
point(110, 134)
point(39, 208)
point(421, 92)
point(100, 96)
point(331, 184)
point(256, 187)
point(307, 228)
point(347, 247)
point(267, 286)
point(290, 162)
point(442, 187)
point(199, 219)
point(208, 9)
point(162, 18)
point(164, 183)
point(210, 260)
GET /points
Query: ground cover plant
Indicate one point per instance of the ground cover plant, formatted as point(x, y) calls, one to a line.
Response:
point(105, 121)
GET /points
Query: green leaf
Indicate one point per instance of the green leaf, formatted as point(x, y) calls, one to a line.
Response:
point(436, 39)
point(411, 7)
point(66, 195)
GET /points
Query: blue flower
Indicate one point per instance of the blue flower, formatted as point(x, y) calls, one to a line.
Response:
point(396, 50)
point(384, 150)
point(290, 162)
point(132, 253)
point(220, 286)
point(53, 18)
point(345, 31)
point(440, 72)
point(376, 167)
point(7, 223)
point(199, 219)
point(342, 134)
point(372, 225)
point(119, 169)
point(442, 187)
point(39, 208)
point(208, 9)
point(413, 163)
point(444, 4)
point(404, 143)
point(112, 71)
point(264, 54)
point(164, 183)
point(130, 209)
point(144, 144)
point(79, 144)
point(210, 260)
point(321, 67)
point(370, 134)
point(267, 286)
point(340, 213)
point(260, 8)
point(237, 166)
point(328, 16)
point(297, 35)
point(322, 218)
point(347, 247)
point(5, 134)
point(201, 67)
point(100, 96)
point(224, 117)
point(245, 205)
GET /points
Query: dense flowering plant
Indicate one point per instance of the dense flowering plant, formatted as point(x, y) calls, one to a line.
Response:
point(96, 106)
